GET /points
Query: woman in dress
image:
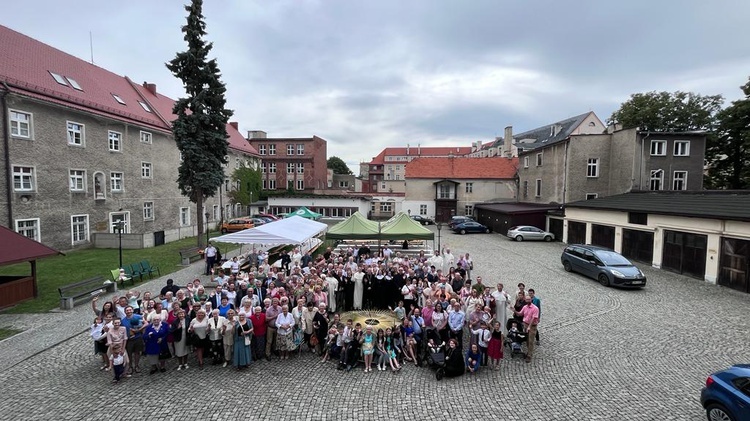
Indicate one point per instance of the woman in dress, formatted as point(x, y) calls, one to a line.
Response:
point(454, 361)
point(368, 347)
point(178, 329)
point(320, 327)
point(155, 337)
point(380, 350)
point(284, 336)
point(242, 340)
point(171, 317)
point(495, 348)
point(440, 322)
point(390, 350)
point(199, 326)
point(228, 332)
point(358, 289)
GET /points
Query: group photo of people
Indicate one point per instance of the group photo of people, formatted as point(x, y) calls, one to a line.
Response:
point(438, 314)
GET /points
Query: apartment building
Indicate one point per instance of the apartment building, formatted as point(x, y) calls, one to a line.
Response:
point(298, 164)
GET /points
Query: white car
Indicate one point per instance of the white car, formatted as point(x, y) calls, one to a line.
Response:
point(527, 232)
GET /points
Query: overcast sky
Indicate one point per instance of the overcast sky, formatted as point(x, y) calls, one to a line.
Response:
point(367, 74)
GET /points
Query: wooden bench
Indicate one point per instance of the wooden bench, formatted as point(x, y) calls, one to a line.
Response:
point(70, 294)
point(190, 255)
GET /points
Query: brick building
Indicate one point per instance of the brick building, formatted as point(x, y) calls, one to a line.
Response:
point(291, 163)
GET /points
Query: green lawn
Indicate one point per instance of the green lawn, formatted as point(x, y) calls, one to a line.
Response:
point(78, 265)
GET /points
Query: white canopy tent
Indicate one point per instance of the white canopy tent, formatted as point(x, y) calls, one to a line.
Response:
point(292, 230)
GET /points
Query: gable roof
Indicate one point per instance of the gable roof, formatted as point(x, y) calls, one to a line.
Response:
point(719, 204)
point(463, 168)
point(547, 134)
point(16, 248)
point(419, 151)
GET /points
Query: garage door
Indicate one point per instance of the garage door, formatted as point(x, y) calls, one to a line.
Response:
point(603, 236)
point(735, 264)
point(576, 232)
point(638, 245)
point(556, 227)
point(685, 253)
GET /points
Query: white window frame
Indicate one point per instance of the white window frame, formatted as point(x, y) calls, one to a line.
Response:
point(147, 170)
point(73, 231)
point(386, 206)
point(423, 210)
point(652, 178)
point(17, 124)
point(116, 178)
point(468, 210)
point(217, 213)
point(300, 149)
point(538, 187)
point(681, 148)
point(343, 184)
point(272, 184)
point(682, 179)
point(37, 228)
point(290, 167)
point(444, 191)
point(272, 168)
point(263, 167)
point(470, 187)
point(146, 137)
point(77, 180)
point(300, 168)
point(236, 163)
point(114, 139)
point(19, 171)
point(72, 131)
point(272, 149)
point(300, 184)
point(148, 211)
point(658, 148)
point(290, 149)
point(184, 216)
point(539, 159)
point(592, 168)
point(526, 162)
point(117, 216)
point(262, 149)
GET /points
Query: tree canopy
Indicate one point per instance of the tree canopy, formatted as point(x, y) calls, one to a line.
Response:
point(200, 128)
point(728, 154)
point(338, 166)
point(248, 182)
point(665, 111)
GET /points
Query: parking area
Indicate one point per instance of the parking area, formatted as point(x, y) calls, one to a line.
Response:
point(605, 354)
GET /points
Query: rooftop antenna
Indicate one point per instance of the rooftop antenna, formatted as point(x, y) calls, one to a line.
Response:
point(91, 46)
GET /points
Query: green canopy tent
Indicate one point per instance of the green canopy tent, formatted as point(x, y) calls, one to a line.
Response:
point(305, 213)
point(356, 227)
point(402, 227)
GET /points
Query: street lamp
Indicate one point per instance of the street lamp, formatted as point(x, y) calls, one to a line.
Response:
point(205, 223)
point(119, 226)
point(439, 227)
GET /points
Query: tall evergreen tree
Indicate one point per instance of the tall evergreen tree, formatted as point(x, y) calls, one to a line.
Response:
point(200, 127)
point(729, 154)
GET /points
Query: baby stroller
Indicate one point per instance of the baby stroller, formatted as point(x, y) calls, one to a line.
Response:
point(514, 339)
point(435, 358)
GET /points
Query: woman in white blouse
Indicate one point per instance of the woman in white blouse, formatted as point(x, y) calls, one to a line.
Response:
point(284, 328)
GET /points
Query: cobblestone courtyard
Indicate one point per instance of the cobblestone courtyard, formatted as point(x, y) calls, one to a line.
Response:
point(605, 354)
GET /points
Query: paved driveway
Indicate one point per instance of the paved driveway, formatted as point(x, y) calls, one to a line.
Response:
point(606, 354)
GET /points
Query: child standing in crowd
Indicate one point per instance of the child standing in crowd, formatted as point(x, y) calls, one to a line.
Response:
point(368, 347)
point(117, 362)
point(495, 346)
point(483, 340)
point(473, 357)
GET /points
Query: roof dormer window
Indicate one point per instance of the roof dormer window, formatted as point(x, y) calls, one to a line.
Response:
point(145, 106)
point(74, 84)
point(59, 79)
point(118, 99)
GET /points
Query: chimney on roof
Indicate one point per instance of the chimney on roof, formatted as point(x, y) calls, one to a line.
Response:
point(419, 149)
point(256, 134)
point(407, 149)
point(507, 142)
point(235, 124)
point(151, 87)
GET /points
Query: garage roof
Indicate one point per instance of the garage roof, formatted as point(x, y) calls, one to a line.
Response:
point(716, 204)
point(516, 208)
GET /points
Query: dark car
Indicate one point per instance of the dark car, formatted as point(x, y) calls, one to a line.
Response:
point(423, 220)
point(602, 264)
point(459, 219)
point(470, 226)
point(726, 396)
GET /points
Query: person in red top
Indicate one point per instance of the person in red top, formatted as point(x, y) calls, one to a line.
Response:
point(530, 314)
point(258, 319)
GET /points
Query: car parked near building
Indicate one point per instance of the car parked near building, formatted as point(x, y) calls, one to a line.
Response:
point(237, 224)
point(470, 226)
point(267, 216)
point(527, 232)
point(726, 396)
point(458, 219)
point(606, 266)
point(423, 220)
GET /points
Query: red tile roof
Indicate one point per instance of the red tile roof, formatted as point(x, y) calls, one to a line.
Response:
point(419, 152)
point(16, 248)
point(462, 168)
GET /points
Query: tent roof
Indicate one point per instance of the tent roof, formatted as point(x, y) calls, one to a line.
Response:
point(16, 248)
point(402, 227)
point(305, 213)
point(292, 230)
point(399, 227)
point(355, 227)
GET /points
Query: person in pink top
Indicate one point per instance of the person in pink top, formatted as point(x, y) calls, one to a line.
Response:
point(530, 314)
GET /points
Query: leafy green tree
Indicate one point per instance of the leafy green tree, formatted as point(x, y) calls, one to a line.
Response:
point(672, 112)
point(338, 166)
point(729, 154)
point(200, 128)
point(249, 182)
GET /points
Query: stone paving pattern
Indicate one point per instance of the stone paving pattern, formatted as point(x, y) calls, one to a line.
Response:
point(606, 354)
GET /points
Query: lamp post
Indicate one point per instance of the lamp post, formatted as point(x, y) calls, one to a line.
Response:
point(205, 223)
point(119, 226)
point(439, 227)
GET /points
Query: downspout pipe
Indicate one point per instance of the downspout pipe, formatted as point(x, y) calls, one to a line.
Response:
point(642, 160)
point(6, 146)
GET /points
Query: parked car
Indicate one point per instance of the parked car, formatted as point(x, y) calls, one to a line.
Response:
point(527, 232)
point(237, 224)
point(423, 220)
point(260, 221)
point(265, 219)
point(267, 215)
point(602, 264)
point(458, 219)
point(470, 226)
point(726, 396)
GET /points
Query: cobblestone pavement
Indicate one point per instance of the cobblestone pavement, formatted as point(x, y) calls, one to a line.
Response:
point(606, 354)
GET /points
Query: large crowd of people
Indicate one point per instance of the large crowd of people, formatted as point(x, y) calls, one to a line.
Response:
point(440, 315)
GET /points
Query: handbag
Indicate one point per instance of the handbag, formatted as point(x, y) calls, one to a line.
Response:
point(248, 339)
point(164, 354)
point(192, 339)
